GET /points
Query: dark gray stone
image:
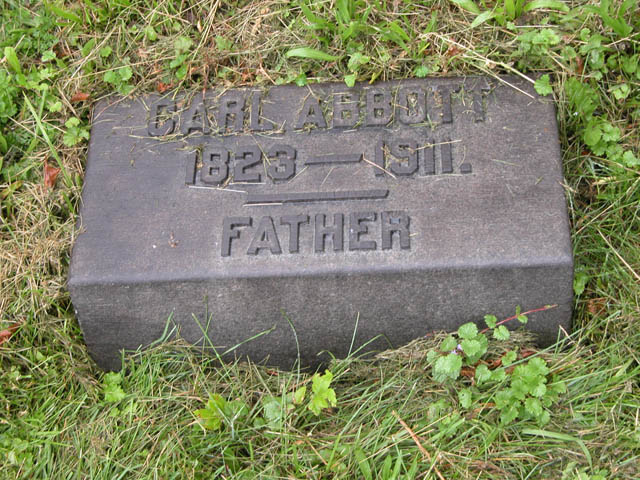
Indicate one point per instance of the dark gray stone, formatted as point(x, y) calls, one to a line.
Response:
point(290, 215)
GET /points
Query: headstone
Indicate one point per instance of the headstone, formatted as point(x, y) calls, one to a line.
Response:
point(290, 222)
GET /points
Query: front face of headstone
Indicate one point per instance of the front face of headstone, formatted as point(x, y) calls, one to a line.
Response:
point(276, 220)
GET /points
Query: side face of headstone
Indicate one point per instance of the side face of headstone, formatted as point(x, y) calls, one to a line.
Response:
point(277, 220)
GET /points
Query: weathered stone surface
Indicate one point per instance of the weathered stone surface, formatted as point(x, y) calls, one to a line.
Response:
point(289, 215)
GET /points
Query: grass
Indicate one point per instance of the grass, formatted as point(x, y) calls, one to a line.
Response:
point(392, 420)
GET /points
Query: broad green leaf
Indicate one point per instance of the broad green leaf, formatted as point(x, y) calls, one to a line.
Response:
point(311, 53)
point(301, 80)
point(344, 10)
point(519, 388)
point(210, 420)
point(550, 4)
point(533, 406)
point(490, 320)
point(610, 133)
point(272, 409)
point(471, 347)
point(317, 22)
point(62, 13)
point(448, 344)
point(87, 47)
point(223, 44)
point(468, 330)
point(182, 45)
point(501, 333)
point(150, 33)
point(465, 398)
point(508, 358)
point(125, 73)
point(432, 355)
point(398, 30)
point(216, 401)
point(235, 409)
point(468, 5)
point(323, 396)
point(72, 122)
point(483, 17)
point(621, 91)
point(558, 387)
point(12, 59)
point(544, 419)
point(111, 77)
point(543, 86)
point(48, 56)
point(111, 387)
point(503, 398)
point(630, 160)
point(580, 282)
point(421, 71)
point(537, 366)
point(498, 375)
point(350, 80)
point(510, 413)
point(538, 390)
point(298, 395)
point(510, 8)
point(363, 464)
point(483, 374)
point(356, 60)
point(447, 367)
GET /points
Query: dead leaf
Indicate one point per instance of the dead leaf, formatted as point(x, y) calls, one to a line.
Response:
point(495, 363)
point(163, 87)
point(468, 372)
point(526, 352)
point(595, 306)
point(452, 51)
point(79, 97)
point(6, 334)
point(50, 175)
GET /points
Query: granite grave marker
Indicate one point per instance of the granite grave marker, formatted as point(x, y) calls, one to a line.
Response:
point(280, 218)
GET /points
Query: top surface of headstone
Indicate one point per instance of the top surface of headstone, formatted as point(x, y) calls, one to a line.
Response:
point(288, 181)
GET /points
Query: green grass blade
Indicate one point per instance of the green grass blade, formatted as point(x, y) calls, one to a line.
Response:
point(62, 13)
point(467, 5)
point(52, 149)
point(550, 4)
point(483, 17)
point(559, 436)
point(311, 53)
point(510, 8)
point(363, 464)
point(12, 59)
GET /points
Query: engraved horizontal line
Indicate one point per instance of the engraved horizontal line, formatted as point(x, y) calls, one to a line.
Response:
point(271, 198)
point(334, 158)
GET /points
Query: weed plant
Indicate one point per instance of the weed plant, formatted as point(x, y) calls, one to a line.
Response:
point(464, 405)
